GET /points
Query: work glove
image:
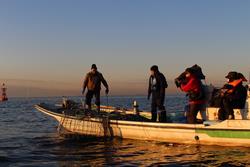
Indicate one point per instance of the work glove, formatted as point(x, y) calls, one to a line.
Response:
point(107, 91)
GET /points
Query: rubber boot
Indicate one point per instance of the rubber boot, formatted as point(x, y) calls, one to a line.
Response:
point(154, 116)
point(163, 116)
point(98, 109)
point(89, 107)
point(222, 115)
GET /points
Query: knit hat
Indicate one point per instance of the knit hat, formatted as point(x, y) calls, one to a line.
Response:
point(94, 66)
point(232, 75)
point(154, 68)
point(190, 70)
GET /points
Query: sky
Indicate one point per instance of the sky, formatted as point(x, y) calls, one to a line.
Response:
point(47, 47)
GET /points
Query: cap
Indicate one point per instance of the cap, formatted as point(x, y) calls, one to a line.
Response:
point(190, 70)
point(232, 75)
point(154, 68)
point(93, 66)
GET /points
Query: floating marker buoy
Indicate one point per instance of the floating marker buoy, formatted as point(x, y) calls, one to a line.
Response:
point(4, 95)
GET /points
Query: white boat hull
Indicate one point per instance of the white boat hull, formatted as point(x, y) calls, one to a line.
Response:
point(226, 133)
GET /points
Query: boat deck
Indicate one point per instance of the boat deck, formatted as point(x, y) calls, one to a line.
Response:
point(110, 112)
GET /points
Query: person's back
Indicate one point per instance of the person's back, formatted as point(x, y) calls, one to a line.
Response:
point(93, 82)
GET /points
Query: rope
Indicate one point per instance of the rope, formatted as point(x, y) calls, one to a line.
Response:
point(107, 119)
point(85, 122)
point(83, 103)
point(60, 124)
point(107, 97)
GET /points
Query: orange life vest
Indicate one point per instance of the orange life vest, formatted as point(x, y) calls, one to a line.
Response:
point(234, 84)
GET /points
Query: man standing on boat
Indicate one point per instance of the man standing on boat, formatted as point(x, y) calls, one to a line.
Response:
point(93, 82)
point(190, 82)
point(157, 87)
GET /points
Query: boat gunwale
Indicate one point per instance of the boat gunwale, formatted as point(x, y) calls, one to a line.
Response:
point(146, 124)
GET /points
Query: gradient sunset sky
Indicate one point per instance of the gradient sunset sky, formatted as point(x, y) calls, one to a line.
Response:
point(47, 46)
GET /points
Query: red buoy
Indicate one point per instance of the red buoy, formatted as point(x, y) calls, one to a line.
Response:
point(4, 95)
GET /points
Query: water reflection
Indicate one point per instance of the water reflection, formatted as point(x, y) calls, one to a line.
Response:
point(147, 153)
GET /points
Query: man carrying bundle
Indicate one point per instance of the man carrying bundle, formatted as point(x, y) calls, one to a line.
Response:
point(190, 82)
point(93, 82)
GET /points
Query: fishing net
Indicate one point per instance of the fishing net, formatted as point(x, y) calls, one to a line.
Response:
point(77, 121)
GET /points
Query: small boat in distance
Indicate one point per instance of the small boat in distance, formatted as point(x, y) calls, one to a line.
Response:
point(4, 94)
point(131, 124)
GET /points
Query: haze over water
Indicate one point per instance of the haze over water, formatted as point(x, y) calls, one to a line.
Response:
point(47, 47)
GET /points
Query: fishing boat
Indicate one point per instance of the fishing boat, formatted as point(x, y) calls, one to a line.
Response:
point(107, 124)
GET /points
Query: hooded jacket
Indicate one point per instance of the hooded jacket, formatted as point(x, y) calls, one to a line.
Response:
point(194, 89)
point(161, 84)
point(93, 81)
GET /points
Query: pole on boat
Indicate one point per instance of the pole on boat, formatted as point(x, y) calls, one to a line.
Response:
point(136, 107)
point(83, 103)
point(107, 98)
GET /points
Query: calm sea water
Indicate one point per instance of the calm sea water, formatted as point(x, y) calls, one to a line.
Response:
point(30, 138)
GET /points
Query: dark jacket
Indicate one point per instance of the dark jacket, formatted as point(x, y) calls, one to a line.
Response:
point(235, 93)
point(161, 84)
point(238, 96)
point(93, 81)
